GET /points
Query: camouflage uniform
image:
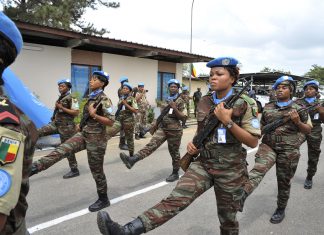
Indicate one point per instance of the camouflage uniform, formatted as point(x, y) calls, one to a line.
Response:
point(170, 130)
point(63, 124)
point(314, 139)
point(141, 115)
point(127, 121)
point(222, 166)
point(186, 98)
point(280, 147)
point(93, 138)
point(122, 140)
point(16, 208)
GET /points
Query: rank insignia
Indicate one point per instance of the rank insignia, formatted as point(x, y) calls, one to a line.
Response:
point(8, 150)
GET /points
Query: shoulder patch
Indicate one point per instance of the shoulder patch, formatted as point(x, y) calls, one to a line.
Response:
point(5, 182)
point(248, 99)
point(255, 123)
point(8, 150)
point(7, 113)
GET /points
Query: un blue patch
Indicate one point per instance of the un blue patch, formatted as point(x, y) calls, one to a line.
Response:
point(255, 123)
point(5, 182)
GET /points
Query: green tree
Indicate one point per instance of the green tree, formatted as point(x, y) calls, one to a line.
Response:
point(64, 14)
point(316, 72)
point(269, 70)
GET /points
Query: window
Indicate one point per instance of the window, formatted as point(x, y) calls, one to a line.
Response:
point(80, 76)
point(162, 85)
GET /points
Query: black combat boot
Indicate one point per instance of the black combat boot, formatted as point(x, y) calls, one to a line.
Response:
point(242, 201)
point(278, 216)
point(73, 173)
point(229, 231)
point(34, 169)
point(108, 227)
point(101, 203)
point(308, 182)
point(122, 144)
point(137, 136)
point(174, 176)
point(129, 161)
point(144, 131)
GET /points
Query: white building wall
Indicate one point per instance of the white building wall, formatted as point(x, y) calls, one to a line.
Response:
point(40, 67)
point(136, 69)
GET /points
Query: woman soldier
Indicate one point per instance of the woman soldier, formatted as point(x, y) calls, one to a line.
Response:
point(92, 137)
point(221, 163)
point(280, 146)
point(314, 139)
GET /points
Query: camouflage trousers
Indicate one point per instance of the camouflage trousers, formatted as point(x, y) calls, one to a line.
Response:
point(141, 121)
point(94, 143)
point(286, 158)
point(173, 137)
point(314, 140)
point(225, 172)
point(65, 131)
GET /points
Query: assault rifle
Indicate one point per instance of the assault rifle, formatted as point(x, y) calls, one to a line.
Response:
point(163, 113)
point(211, 123)
point(86, 116)
point(56, 109)
point(277, 123)
point(120, 106)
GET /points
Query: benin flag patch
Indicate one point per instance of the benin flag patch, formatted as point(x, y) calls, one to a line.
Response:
point(8, 150)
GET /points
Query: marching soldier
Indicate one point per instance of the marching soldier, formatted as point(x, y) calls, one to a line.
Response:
point(170, 130)
point(185, 96)
point(66, 109)
point(314, 139)
point(122, 140)
point(141, 126)
point(221, 163)
point(281, 146)
point(18, 136)
point(92, 137)
point(127, 107)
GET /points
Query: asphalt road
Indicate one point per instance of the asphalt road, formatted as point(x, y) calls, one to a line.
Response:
point(58, 206)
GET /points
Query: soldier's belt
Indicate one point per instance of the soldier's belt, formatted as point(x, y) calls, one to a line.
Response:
point(281, 138)
point(214, 153)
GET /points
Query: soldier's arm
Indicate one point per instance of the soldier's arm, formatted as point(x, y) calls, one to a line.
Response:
point(132, 107)
point(181, 115)
point(3, 219)
point(72, 112)
point(107, 119)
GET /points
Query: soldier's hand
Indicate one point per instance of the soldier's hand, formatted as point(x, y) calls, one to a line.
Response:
point(173, 105)
point(92, 110)
point(191, 149)
point(294, 116)
point(224, 115)
point(58, 105)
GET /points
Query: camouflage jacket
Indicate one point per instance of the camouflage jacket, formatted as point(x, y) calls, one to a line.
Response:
point(142, 103)
point(67, 102)
point(244, 115)
point(287, 133)
point(312, 113)
point(125, 112)
point(104, 109)
point(28, 129)
point(170, 121)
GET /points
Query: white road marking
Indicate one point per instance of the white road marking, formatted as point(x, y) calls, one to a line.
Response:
point(113, 201)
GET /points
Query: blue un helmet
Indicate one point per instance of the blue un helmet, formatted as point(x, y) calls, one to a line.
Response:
point(66, 81)
point(9, 31)
point(312, 83)
point(174, 81)
point(223, 62)
point(140, 84)
point(123, 79)
point(285, 80)
point(102, 76)
point(128, 85)
point(185, 88)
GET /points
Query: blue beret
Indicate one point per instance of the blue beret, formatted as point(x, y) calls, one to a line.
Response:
point(103, 76)
point(123, 79)
point(10, 31)
point(223, 62)
point(141, 84)
point(68, 81)
point(312, 83)
point(185, 88)
point(282, 79)
point(174, 81)
point(128, 85)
